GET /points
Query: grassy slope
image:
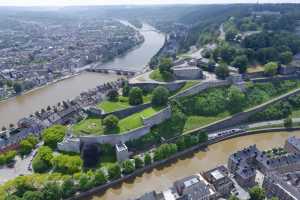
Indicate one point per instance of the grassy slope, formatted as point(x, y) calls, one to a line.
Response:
point(193, 122)
point(157, 76)
point(122, 103)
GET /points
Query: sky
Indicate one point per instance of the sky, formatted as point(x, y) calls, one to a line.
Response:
point(128, 2)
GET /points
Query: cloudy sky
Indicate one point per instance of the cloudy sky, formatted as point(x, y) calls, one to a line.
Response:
point(132, 2)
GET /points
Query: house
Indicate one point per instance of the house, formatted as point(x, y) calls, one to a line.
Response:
point(218, 177)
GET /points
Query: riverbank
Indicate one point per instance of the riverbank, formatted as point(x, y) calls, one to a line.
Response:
point(173, 159)
point(17, 107)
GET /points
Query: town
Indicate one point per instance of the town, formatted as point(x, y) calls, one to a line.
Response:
point(229, 100)
point(36, 53)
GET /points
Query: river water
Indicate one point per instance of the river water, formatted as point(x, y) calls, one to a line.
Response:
point(13, 109)
point(216, 154)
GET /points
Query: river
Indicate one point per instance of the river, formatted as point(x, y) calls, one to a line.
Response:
point(11, 110)
point(216, 154)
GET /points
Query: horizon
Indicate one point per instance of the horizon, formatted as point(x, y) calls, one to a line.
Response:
point(67, 3)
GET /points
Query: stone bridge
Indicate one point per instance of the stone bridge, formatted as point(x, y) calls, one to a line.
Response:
point(120, 71)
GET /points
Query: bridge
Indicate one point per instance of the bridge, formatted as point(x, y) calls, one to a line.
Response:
point(118, 70)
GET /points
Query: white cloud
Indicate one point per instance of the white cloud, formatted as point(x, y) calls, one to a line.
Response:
point(132, 2)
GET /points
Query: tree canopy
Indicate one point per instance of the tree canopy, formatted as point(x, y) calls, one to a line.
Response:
point(53, 135)
point(135, 96)
point(160, 96)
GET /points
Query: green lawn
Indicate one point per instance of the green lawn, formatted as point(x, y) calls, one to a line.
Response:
point(198, 121)
point(122, 103)
point(89, 126)
point(135, 120)
point(110, 106)
point(188, 84)
point(157, 76)
point(93, 126)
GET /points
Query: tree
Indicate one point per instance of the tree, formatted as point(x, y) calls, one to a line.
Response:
point(165, 65)
point(222, 71)
point(17, 88)
point(67, 164)
point(231, 34)
point(269, 54)
point(135, 96)
point(12, 197)
point(25, 147)
point(126, 89)
point(147, 159)
point(114, 172)
point(128, 167)
point(22, 185)
point(33, 140)
point(160, 96)
point(52, 191)
point(42, 160)
point(10, 156)
point(138, 162)
point(53, 135)
point(68, 188)
point(110, 122)
point(226, 52)
point(33, 195)
point(270, 69)
point(286, 57)
point(257, 193)
point(164, 151)
point(100, 177)
point(241, 63)
point(288, 122)
point(113, 95)
point(84, 182)
point(236, 99)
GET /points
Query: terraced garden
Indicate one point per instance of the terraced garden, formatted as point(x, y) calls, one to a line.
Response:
point(94, 126)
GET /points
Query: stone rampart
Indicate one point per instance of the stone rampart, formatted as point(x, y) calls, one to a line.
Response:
point(158, 117)
point(171, 86)
point(132, 134)
point(200, 87)
point(116, 138)
point(295, 76)
point(128, 111)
